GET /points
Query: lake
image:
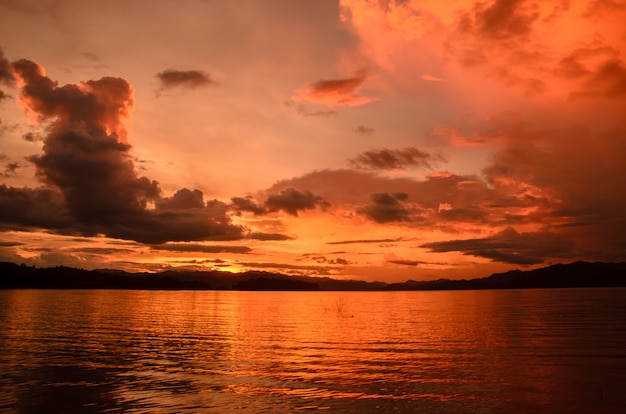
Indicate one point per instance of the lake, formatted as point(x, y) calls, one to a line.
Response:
point(515, 351)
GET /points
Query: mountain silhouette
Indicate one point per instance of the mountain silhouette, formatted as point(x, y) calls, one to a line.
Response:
point(577, 274)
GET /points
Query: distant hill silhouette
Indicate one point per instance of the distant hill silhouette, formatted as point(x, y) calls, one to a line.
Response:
point(578, 274)
point(273, 283)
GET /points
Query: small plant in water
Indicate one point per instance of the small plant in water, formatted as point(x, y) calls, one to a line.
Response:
point(339, 307)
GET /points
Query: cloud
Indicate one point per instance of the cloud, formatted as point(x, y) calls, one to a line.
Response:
point(32, 137)
point(386, 208)
point(305, 110)
point(6, 74)
point(90, 183)
point(509, 246)
point(10, 244)
point(85, 153)
point(362, 129)
point(183, 199)
point(350, 189)
point(388, 159)
point(288, 200)
point(290, 268)
point(191, 79)
point(10, 169)
point(608, 81)
point(364, 241)
point(109, 251)
point(291, 201)
point(604, 8)
point(201, 248)
point(580, 196)
point(240, 204)
point(406, 262)
point(268, 236)
point(577, 63)
point(21, 208)
point(336, 92)
point(502, 19)
point(458, 138)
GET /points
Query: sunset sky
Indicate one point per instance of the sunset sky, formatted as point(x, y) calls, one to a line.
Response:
point(374, 140)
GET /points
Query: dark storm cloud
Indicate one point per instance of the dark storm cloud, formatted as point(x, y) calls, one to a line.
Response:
point(509, 246)
point(386, 208)
point(91, 185)
point(25, 207)
point(388, 159)
point(171, 78)
point(85, 153)
point(291, 201)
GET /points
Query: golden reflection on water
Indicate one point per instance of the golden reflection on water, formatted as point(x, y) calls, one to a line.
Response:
point(217, 351)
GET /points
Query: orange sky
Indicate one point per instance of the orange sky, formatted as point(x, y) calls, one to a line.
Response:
point(376, 140)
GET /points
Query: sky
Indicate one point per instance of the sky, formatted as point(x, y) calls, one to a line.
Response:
point(373, 140)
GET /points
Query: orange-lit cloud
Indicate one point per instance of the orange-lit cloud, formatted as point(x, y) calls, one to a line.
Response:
point(335, 92)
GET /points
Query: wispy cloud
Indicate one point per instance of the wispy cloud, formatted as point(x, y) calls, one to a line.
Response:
point(366, 241)
point(390, 159)
point(201, 248)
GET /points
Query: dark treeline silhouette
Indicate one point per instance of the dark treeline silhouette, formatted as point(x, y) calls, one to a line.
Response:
point(578, 274)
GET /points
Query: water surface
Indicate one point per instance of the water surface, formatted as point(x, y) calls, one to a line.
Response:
point(523, 351)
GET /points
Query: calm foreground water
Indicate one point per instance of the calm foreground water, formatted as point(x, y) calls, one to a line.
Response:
point(350, 352)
